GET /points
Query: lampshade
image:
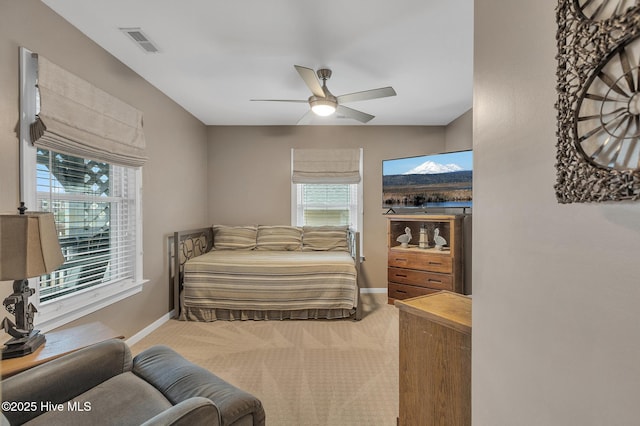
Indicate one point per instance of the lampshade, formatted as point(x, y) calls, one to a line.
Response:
point(29, 246)
point(323, 106)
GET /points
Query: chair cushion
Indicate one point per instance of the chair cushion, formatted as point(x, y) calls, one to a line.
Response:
point(178, 379)
point(125, 399)
point(62, 379)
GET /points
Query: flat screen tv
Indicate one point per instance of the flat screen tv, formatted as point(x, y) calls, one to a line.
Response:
point(428, 181)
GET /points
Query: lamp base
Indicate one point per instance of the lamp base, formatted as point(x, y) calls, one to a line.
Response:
point(22, 346)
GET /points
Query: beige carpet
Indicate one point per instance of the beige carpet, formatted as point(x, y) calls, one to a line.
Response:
point(312, 372)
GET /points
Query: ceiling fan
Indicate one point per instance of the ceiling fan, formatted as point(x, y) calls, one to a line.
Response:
point(324, 103)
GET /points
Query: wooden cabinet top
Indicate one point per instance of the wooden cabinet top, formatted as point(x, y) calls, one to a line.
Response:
point(426, 217)
point(58, 343)
point(449, 309)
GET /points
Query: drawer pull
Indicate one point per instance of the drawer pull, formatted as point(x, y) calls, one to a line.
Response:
point(435, 263)
point(401, 291)
point(400, 259)
point(431, 280)
point(401, 275)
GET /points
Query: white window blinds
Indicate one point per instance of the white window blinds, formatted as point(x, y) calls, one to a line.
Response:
point(326, 166)
point(80, 119)
point(327, 204)
point(94, 205)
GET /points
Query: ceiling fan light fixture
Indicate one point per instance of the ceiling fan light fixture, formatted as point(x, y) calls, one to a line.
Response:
point(323, 107)
point(324, 104)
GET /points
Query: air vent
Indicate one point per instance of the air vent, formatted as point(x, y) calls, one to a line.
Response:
point(140, 39)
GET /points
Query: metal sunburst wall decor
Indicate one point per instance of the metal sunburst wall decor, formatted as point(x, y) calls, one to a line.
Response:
point(598, 148)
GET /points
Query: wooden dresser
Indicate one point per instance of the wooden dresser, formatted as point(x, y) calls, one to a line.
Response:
point(422, 267)
point(435, 360)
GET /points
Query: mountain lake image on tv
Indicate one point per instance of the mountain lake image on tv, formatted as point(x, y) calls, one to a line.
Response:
point(428, 181)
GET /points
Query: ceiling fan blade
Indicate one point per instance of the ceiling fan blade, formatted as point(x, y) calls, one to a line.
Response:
point(382, 92)
point(309, 77)
point(362, 117)
point(306, 118)
point(279, 100)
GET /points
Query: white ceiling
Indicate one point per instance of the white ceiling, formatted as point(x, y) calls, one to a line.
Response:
point(217, 55)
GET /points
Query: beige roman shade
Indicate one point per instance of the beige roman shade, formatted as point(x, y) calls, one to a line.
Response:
point(326, 166)
point(80, 119)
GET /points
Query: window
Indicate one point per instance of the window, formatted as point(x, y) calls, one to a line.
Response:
point(326, 187)
point(93, 203)
point(96, 205)
point(327, 204)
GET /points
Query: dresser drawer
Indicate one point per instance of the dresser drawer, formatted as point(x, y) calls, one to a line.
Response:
point(401, 291)
point(421, 278)
point(421, 261)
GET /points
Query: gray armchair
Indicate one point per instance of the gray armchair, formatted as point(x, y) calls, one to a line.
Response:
point(103, 385)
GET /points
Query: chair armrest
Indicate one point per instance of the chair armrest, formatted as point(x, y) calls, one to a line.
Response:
point(66, 377)
point(194, 411)
point(178, 380)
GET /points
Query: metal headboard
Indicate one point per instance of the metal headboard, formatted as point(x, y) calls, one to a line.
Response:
point(187, 245)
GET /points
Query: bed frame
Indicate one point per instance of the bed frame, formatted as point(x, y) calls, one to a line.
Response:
point(193, 243)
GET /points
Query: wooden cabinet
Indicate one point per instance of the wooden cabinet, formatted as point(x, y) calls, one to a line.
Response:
point(435, 360)
point(423, 266)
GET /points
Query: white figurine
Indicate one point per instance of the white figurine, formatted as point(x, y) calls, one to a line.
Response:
point(423, 243)
point(405, 238)
point(440, 242)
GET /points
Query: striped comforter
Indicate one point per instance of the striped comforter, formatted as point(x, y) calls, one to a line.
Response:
point(270, 281)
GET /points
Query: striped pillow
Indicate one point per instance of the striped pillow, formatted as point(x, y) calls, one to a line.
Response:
point(324, 238)
point(234, 237)
point(279, 237)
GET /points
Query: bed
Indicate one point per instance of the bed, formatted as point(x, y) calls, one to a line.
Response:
point(265, 273)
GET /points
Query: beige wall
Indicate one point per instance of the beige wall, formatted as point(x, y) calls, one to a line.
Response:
point(176, 145)
point(249, 174)
point(243, 171)
point(556, 287)
point(459, 133)
point(459, 137)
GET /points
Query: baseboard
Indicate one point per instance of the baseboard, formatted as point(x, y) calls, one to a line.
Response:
point(149, 329)
point(379, 290)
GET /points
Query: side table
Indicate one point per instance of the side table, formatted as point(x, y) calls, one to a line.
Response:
point(435, 360)
point(59, 343)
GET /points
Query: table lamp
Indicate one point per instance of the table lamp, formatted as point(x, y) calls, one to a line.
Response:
point(29, 248)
